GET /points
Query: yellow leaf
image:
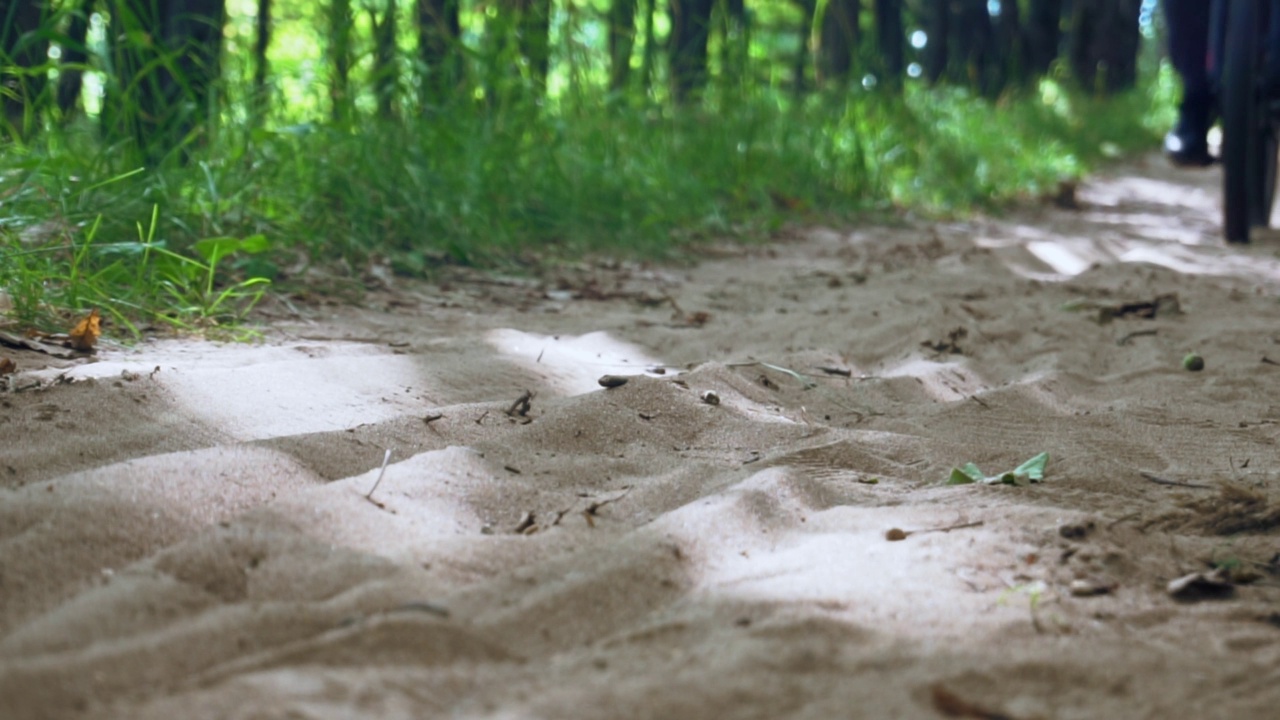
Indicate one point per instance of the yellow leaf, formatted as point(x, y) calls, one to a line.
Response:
point(86, 332)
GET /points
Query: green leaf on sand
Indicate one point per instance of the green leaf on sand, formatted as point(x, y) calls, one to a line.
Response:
point(1028, 472)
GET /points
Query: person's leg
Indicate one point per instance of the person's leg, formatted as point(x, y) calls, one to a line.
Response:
point(1188, 22)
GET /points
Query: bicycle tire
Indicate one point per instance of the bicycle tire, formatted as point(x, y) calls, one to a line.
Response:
point(1268, 147)
point(1241, 166)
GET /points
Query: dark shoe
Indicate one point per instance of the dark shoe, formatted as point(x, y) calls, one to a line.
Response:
point(1187, 145)
point(1187, 149)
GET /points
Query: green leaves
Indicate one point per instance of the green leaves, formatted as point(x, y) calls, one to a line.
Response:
point(214, 249)
point(1028, 472)
point(133, 278)
point(190, 283)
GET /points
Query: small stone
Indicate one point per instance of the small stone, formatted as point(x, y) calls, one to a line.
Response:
point(1193, 362)
point(1202, 586)
point(710, 397)
point(1089, 588)
point(1076, 531)
point(612, 381)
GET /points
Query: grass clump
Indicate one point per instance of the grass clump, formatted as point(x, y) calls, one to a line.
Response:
point(195, 243)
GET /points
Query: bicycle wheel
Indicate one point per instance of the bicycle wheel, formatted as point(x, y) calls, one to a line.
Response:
point(1269, 146)
point(1242, 172)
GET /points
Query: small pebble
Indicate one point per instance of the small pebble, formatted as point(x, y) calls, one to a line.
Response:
point(1089, 588)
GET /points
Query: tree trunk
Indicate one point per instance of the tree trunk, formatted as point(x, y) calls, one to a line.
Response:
point(1103, 44)
point(533, 28)
point(340, 20)
point(972, 40)
point(386, 75)
point(167, 61)
point(800, 64)
point(439, 27)
point(22, 46)
point(1010, 39)
point(75, 53)
point(262, 41)
point(735, 42)
point(1044, 35)
point(690, 24)
point(937, 28)
point(649, 56)
point(838, 40)
point(622, 41)
point(1120, 41)
point(889, 40)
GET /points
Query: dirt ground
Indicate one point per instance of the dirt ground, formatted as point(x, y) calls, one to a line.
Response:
point(754, 525)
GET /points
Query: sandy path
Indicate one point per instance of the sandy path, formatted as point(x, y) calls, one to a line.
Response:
point(197, 542)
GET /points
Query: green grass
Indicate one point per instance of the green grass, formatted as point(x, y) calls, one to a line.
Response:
point(194, 244)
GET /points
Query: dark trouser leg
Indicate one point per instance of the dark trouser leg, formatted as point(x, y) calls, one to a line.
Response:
point(1188, 50)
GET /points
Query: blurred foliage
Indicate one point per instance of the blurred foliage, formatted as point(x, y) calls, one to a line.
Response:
point(501, 171)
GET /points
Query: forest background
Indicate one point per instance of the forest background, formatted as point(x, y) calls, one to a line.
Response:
point(168, 160)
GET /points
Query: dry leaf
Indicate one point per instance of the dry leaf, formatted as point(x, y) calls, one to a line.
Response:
point(86, 332)
point(7, 366)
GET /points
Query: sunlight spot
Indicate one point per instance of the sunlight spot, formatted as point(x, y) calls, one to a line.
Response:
point(257, 393)
point(946, 382)
point(837, 566)
point(1059, 257)
point(571, 364)
point(1188, 260)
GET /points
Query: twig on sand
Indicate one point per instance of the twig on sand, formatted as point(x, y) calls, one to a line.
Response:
point(386, 458)
point(520, 408)
point(842, 372)
point(595, 506)
point(1137, 333)
point(1176, 483)
point(803, 380)
point(675, 306)
point(899, 534)
point(1124, 518)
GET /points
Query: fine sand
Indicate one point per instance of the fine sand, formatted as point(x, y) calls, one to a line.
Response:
point(187, 529)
